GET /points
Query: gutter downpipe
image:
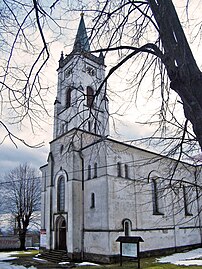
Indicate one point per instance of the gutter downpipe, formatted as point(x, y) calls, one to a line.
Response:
point(51, 205)
point(82, 197)
point(174, 224)
point(197, 197)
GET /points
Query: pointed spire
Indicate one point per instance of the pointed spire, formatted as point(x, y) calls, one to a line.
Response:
point(62, 56)
point(61, 59)
point(81, 42)
point(101, 57)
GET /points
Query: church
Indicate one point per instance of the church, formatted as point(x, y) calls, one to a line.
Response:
point(95, 188)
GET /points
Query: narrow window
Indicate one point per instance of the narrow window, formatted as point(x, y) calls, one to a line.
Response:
point(61, 194)
point(156, 198)
point(90, 97)
point(126, 170)
point(68, 98)
point(44, 185)
point(89, 126)
point(95, 127)
point(89, 172)
point(92, 200)
point(61, 149)
point(119, 169)
point(95, 169)
point(187, 193)
point(127, 227)
point(62, 128)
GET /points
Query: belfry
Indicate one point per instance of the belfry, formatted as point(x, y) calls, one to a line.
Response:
point(80, 102)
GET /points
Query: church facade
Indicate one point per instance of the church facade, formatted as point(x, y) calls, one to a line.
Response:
point(95, 189)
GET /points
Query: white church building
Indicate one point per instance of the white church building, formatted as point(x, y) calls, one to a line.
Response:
point(95, 189)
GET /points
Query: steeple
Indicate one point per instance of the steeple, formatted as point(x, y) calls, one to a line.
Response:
point(81, 42)
point(78, 104)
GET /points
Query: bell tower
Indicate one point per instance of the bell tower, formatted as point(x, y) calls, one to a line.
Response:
point(81, 102)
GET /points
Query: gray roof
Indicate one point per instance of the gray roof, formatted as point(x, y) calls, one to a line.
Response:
point(81, 42)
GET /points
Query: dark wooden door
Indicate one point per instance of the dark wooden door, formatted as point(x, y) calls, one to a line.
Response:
point(62, 236)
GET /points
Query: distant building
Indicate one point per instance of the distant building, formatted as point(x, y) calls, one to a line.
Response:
point(95, 189)
point(9, 238)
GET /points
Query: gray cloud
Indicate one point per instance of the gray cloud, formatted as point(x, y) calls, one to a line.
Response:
point(10, 157)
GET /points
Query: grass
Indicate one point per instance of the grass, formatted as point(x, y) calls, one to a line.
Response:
point(26, 253)
point(142, 266)
point(145, 263)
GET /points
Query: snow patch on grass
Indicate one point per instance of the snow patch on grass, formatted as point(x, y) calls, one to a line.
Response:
point(184, 258)
point(64, 263)
point(87, 264)
point(38, 259)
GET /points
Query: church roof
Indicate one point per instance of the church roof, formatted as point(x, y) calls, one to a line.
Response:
point(81, 41)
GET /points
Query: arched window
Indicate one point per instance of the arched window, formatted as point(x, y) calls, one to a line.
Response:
point(92, 200)
point(119, 169)
point(89, 171)
point(89, 126)
point(95, 170)
point(92, 128)
point(61, 194)
point(61, 149)
point(68, 97)
point(63, 128)
point(90, 97)
point(188, 200)
point(126, 171)
point(157, 195)
point(95, 126)
point(127, 226)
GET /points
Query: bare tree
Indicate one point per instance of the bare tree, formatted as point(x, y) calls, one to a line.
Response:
point(24, 52)
point(149, 39)
point(23, 197)
point(146, 33)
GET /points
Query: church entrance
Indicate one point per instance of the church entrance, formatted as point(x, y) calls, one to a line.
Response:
point(61, 231)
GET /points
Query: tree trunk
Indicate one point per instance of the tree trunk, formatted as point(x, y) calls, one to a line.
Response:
point(23, 222)
point(190, 94)
point(184, 74)
point(22, 237)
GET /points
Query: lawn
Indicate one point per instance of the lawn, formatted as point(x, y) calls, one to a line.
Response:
point(145, 263)
point(143, 266)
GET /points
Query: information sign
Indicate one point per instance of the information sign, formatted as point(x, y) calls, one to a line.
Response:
point(43, 238)
point(129, 250)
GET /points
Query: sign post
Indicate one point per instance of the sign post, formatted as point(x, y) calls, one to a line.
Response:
point(129, 247)
point(43, 238)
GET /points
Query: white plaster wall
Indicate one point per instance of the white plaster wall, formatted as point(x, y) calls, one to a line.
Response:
point(43, 197)
point(96, 218)
point(188, 236)
point(75, 228)
point(97, 242)
point(121, 202)
point(157, 239)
